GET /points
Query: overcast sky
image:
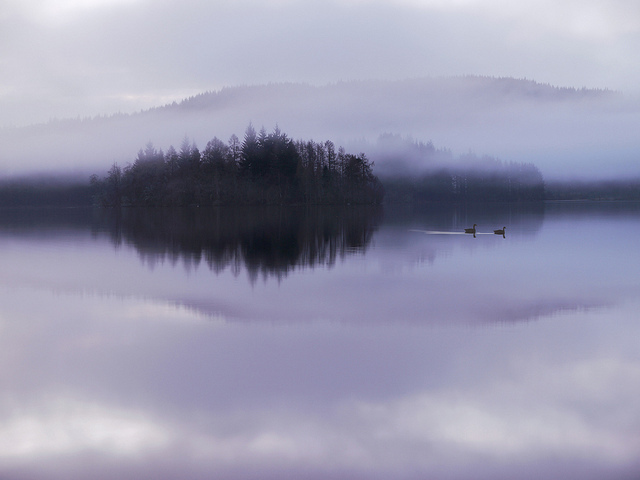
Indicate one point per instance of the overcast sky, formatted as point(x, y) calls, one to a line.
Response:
point(64, 58)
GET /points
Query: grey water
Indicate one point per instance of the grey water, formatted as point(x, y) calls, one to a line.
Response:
point(265, 343)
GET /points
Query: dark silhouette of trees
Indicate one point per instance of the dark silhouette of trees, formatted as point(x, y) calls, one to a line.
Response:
point(108, 191)
point(513, 182)
point(418, 172)
point(218, 166)
point(612, 189)
point(266, 168)
point(144, 180)
point(272, 169)
point(45, 191)
point(494, 181)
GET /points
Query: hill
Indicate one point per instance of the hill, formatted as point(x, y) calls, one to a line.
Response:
point(562, 130)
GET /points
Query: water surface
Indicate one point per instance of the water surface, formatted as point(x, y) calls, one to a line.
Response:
point(295, 343)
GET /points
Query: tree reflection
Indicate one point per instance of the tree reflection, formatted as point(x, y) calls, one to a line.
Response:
point(267, 241)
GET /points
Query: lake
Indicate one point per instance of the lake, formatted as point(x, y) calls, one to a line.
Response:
point(361, 343)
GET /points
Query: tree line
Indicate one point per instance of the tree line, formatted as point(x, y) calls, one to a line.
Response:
point(262, 169)
point(417, 172)
point(43, 191)
point(272, 169)
point(510, 182)
point(614, 189)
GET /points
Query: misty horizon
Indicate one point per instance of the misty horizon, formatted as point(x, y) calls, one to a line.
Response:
point(540, 81)
point(588, 134)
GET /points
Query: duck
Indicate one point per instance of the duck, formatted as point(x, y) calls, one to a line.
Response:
point(500, 232)
point(471, 230)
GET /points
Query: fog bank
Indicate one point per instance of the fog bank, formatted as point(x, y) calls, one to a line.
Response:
point(566, 132)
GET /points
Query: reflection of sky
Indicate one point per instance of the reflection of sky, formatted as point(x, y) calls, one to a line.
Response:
point(375, 368)
point(406, 276)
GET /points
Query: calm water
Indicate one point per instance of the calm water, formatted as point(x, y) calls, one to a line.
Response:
point(360, 344)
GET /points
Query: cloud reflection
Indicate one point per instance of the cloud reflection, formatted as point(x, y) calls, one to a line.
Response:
point(517, 422)
point(513, 421)
point(64, 426)
point(178, 394)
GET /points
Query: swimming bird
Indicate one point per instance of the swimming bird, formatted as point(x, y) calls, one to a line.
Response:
point(471, 230)
point(500, 232)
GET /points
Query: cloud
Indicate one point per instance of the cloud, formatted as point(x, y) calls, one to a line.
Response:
point(562, 131)
point(542, 417)
point(71, 427)
point(578, 413)
point(101, 56)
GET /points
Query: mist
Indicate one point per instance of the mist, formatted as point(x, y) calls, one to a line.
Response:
point(91, 57)
point(567, 133)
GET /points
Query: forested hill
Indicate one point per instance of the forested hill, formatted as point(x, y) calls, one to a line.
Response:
point(263, 169)
point(515, 119)
point(273, 169)
point(457, 92)
point(520, 128)
point(415, 172)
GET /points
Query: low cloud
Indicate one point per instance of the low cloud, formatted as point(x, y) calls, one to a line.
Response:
point(565, 132)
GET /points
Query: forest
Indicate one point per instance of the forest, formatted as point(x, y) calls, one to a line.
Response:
point(263, 169)
point(602, 190)
point(272, 169)
point(418, 172)
point(511, 182)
